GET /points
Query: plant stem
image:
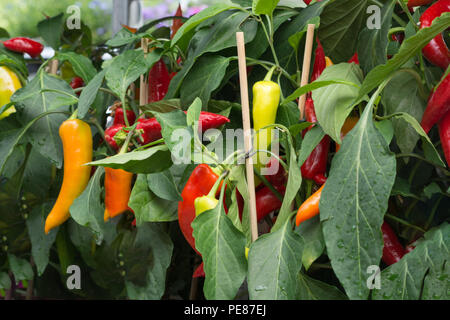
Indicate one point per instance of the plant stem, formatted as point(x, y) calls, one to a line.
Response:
point(404, 222)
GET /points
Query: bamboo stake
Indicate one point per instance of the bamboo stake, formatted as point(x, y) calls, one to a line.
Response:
point(306, 67)
point(143, 91)
point(247, 132)
point(53, 66)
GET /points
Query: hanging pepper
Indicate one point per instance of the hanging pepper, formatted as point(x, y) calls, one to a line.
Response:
point(438, 104)
point(76, 138)
point(354, 59)
point(315, 165)
point(209, 201)
point(444, 134)
point(117, 192)
point(266, 201)
point(177, 23)
point(436, 51)
point(75, 83)
point(309, 208)
point(24, 45)
point(120, 119)
point(349, 124)
point(158, 81)
point(393, 250)
point(9, 83)
point(320, 62)
point(200, 183)
point(118, 124)
point(266, 98)
point(279, 178)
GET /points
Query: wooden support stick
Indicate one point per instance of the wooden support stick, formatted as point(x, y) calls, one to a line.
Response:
point(247, 132)
point(306, 67)
point(53, 66)
point(143, 90)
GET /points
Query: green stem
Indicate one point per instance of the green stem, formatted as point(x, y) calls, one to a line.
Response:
point(151, 144)
point(413, 155)
point(404, 222)
point(213, 191)
point(270, 42)
point(408, 14)
point(124, 148)
point(74, 115)
point(269, 74)
point(399, 20)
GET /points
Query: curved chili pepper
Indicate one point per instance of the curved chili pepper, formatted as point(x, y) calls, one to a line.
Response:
point(76, 138)
point(320, 62)
point(24, 45)
point(158, 81)
point(444, 134)
point(436, 51)
point(177, 23)
point(75, 83)
point(349, 124)
point(9, 83)
point(315, 165)
point(393, 250)
point(309, 208)
point(438, 105)
point(199, 184)
point(117, 192)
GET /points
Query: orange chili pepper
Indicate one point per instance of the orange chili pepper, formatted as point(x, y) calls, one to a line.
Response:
point(76, 138)
point(309, 208)
point(349, 124)
point(117, 192)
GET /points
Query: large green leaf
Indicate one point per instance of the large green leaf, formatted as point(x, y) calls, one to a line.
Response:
point(51, 29)
point(40, 242)
point(21, 268)
point(353, 203)
point(437, 284)
point(335, 102)
point(162, 184)
point(264, 6)
point(274, 261)
point(403, 280)
point(340, 24)
point(89, 94)
point(82, 66)
point(312, 289)
point(223, 251)
point(408, 50)
point(31, 101)
point(373, 43)
point(311, 232)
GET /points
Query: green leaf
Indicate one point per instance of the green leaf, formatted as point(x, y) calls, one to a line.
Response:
point(16, 60)
point(312, 289)
point(5, 281)
point(205, 76)
point(161, 106)
point(274, 261)
point(334, 103)
point(373, 43)
point(40, 242)
point(264, 6)
point(161, 249)
point(408, 50)
point(172, 123)
point(436, 284)
point(162, 184)
point(31, 101)
point(147, 207)
point(193, 113)
point(89, 93)
point(403, 280)
point(295, 39)
point(123, 37)
point(223, 251)
point(402, 95)
point(353, 203)
point(21, 268)
point(51, 29)
point(386, 129)
point(82, 66)
point(154, 159)
point(128, 67)
point(87, 210)
point(340, 24)
point(310, 141)
point(196, 19)
point(311, 232)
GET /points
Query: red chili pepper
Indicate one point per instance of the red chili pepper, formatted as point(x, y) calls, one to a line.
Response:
point(76, 82)
point(24, 45)
point(436, 51)
point(280, 177)
point(315, 166)
point(158, 81)
point(444, 133)
point(319, 63)
point(266, 201)
point(111, 132)
point(199, 184)
point(438, 105)
point(177, 23)
point(309, 1)
point(399, 37)
point(120, 119)
point(393, 250)
point(199, 272)
point(354, 59)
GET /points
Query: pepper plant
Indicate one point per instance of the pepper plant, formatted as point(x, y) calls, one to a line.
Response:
point(360, 187)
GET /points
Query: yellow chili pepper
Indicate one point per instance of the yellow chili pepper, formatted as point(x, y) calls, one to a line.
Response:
point(266, 98)
point(76, 138)
point(9, 83)
point(117, 192)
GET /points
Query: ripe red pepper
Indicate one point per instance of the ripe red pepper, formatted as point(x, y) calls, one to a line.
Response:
point(315, 165)
point(444, 133)
point(76, 82)
point(177, 23)
point(438, 105)
point(199, 272)
point(111, 132)
point(436, 51)
point(24, 45)
point(120, 119)
point(417, 3)
point(319, 63)
point(199, 184)
point(309, 1)
point(280, 177)
point(158, 82)
point(393, 250)
point(266, 201)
